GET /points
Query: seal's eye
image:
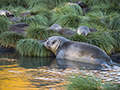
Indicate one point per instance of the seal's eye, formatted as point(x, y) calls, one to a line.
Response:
point(54, 42)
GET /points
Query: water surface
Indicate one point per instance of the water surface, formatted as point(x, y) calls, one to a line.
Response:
point(20, 72)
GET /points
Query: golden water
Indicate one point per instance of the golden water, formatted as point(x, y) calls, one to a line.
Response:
point(31, 73)
point(18, 75)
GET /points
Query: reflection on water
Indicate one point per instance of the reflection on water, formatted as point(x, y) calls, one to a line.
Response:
point(22, 61)
point(81, 65)
point(35, 62)
point(18, 72)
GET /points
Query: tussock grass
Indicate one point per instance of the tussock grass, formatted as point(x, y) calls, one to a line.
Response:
point(92, 25)
point(100, 39)
point(32, 3)
point(31, 47)
point(43, 11)
point(70, 20)
point(64, 10)
point(38, 10)
point(13, 3)
point(55, 3)
point(79, 82)
point(112, 21)
point(35, 20)
point(96, 18)
point(76, 8)
point(4, 24)
point(68, 8)
point(40, 32)
point(17, 10)
point(116, 35)
point(66, 13)
point(103, 14)
point(104, 5)
point(9, 39)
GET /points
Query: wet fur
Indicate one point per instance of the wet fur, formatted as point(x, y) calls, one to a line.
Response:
point(78, 51)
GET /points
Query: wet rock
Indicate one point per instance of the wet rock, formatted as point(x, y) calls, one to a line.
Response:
point(118, 74)
point(115, 57)
point(4, 49)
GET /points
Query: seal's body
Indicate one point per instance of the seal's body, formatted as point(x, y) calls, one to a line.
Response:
point(78, 51)
point(6, 13)
point(83, 30)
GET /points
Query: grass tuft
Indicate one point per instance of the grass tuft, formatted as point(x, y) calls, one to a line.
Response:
point(70, 20)
point(40, 32)
point(14, 3)
point(35, 20)
point(116, 35)
point(32, 47)
point(4, 24)
point(79, 82)
point(9, 39)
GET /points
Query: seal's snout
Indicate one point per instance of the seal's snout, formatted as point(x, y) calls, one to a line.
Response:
point(47, 45)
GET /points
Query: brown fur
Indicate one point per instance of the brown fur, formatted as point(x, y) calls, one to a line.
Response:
point(84, 7)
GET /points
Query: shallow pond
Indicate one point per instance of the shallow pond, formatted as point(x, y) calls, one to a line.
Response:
point(18, 72)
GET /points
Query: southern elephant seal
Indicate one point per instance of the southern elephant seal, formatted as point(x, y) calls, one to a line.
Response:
point(83, 30)
point(78, 51)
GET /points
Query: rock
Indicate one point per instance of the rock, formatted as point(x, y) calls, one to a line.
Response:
point(20, 25)
point(115, 57)
point(93, 30)
point(25, 13)
point(66, 32)
point(4, 49)
point(18, 28)
point(14, 19)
